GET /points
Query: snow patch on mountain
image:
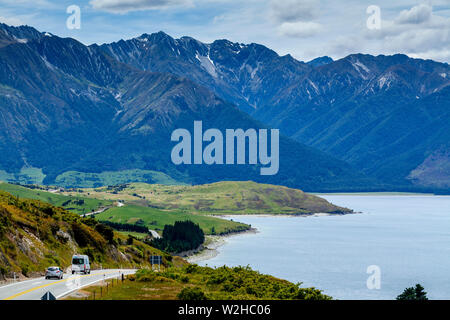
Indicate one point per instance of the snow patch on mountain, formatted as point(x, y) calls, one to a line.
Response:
point(359, 66)
point(207, 64)
point(250, 70)
point(314, 86)
point(386, 80)
point(254, 71)
point(48, 64)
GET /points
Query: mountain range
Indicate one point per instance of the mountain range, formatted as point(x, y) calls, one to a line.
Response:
point(358, 123)
point(385, 115)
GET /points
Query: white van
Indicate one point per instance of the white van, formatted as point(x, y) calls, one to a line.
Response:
point(80, 263)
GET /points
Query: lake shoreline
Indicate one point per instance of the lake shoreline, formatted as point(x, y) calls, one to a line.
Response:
point(210, 248)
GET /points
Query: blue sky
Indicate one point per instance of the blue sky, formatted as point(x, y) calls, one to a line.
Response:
point(302, 28)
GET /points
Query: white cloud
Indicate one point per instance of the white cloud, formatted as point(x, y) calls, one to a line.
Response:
point(12, 21)
point(408, 27)
point(37, 3)
point(125, 6)
point(437, 55)
point(295, 18)
point(420, 31)
point(415, 15)
point(294, 10)
point(300, 29)
point(416, 32)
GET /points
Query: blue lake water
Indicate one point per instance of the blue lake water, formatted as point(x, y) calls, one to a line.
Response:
point(407, 237)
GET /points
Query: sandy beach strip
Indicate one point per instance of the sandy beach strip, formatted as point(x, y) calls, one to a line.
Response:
point(212, 245)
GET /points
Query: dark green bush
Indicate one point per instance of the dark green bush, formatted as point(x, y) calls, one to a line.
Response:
point(130, 240)
point(192, 294)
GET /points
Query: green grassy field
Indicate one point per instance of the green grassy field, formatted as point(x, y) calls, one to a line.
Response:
point(222, 198)
point(76, 204)
point(156, 219)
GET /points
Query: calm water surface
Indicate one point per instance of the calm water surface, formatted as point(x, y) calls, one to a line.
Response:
point(408, 237)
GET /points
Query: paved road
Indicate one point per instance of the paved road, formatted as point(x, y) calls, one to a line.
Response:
point(34, 289)
point(96, 212)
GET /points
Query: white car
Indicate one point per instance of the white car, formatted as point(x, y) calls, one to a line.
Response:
point(54, 272)
point(80, 264)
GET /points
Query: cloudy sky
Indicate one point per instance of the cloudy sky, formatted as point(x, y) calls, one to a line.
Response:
point(303, 28)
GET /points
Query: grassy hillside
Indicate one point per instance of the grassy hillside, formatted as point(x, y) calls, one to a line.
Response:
point(74, 203)
point(156, 219)
point(81, 201)
point(35, 235)
point(25, 176)
point(219, 198)
point(203, 283)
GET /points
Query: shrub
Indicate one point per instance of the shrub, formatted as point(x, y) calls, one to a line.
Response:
point(4, 218)
point(80, 235)
point(3, 270)
point(106, 232)
point(25, 269)
point(54, 227)
point(191, 268)
point(86, 237)
point(191, 294)
point(147, 275)
point(130, 240)
point(48, 211)
point(168, 257)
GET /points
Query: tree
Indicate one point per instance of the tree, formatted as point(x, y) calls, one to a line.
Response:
point(182, 236)
point(420, 292)
point(413, 293)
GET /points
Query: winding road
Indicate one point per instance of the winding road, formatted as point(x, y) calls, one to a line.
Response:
point(34, 289)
